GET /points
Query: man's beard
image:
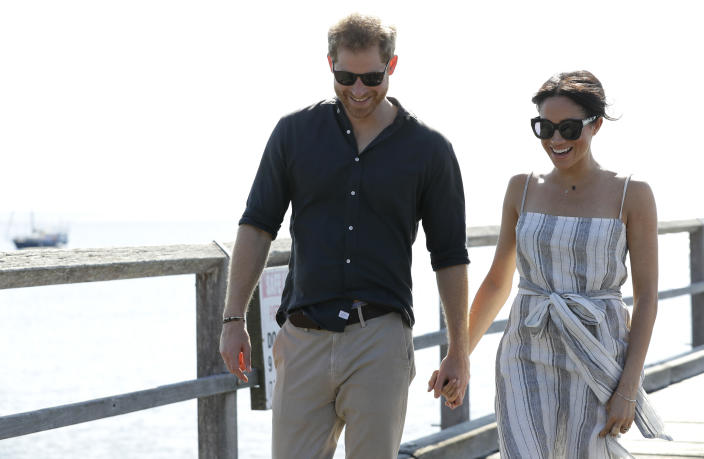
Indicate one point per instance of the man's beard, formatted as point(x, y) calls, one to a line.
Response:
point(354, 111)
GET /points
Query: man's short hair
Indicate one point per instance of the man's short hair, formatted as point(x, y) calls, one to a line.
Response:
point(357, 33)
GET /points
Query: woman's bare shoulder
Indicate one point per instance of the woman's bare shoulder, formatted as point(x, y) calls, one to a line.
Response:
point(519, 181)
point(639, 202)
point(514, 192)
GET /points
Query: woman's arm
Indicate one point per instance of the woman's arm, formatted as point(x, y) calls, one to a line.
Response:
point(496, 287)
point(642, 237)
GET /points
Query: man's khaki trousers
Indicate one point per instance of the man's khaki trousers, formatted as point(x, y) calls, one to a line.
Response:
point(326, 380)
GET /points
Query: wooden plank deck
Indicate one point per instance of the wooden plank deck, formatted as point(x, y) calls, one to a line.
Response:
point(681, 406)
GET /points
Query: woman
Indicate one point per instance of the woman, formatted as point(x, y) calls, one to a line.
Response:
point(569, 365)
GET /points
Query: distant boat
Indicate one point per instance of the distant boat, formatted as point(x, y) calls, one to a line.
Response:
point(40, 238)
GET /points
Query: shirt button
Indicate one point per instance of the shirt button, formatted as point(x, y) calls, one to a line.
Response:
point(351, 227)
point(353, 193)
point(348, 131)
point(356, 159)
point(348, 261)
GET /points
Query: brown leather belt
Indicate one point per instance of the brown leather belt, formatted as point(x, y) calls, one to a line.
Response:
point(369, 311)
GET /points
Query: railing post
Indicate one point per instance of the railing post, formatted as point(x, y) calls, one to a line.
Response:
point(696, 272)
point(257, 394)
point(217, 415)
point(448, 417)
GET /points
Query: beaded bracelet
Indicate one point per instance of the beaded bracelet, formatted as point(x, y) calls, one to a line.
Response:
point(232, 319)
point(623, 397)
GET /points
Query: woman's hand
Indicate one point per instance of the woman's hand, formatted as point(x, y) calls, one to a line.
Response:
point(620, 413)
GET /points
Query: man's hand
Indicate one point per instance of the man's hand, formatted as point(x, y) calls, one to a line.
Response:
point(236, 349)
point(246, 265)
point(451, 379)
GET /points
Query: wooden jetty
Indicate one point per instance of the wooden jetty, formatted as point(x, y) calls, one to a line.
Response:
point(681, 406)
point(216, 389)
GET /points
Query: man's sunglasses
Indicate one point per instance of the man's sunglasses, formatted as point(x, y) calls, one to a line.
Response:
point(346, 78)
point(569, 129)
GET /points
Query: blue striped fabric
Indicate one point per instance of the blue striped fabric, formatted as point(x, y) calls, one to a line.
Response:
point(565, 343)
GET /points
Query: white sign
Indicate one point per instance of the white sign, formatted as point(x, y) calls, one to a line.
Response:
point(271, 286)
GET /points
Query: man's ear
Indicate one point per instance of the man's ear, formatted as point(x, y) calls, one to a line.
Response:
point(392, 65)
point(330, 62)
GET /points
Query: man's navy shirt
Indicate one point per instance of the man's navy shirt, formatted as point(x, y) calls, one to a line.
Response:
point(355, 216)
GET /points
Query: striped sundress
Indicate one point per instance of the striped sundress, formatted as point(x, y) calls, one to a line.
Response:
point(564, 347)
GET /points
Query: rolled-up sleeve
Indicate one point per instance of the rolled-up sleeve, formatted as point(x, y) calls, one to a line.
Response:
point(270, 194)
point(443, 211)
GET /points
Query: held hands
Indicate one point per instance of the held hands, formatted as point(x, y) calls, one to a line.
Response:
point(450, 390)
point(451, 380)
point(620, 413)
point(235, 349)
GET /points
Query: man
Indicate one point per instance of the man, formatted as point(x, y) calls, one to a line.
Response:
point(360, 172)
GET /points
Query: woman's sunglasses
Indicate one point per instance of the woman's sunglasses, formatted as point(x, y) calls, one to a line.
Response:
point(569, 129)
point(368, 79)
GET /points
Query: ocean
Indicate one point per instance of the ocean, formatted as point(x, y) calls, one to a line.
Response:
point(70, 343)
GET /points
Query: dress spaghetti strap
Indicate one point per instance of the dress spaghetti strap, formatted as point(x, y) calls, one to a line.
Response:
point(525, 189)
point(623, 198)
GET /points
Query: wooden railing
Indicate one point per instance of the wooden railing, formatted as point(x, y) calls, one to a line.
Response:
point(214, 388)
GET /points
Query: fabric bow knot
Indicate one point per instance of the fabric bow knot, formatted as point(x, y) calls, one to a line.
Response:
point(571, 313)
point(557, 306)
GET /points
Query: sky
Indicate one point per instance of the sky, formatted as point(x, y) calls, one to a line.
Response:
point(160, 110)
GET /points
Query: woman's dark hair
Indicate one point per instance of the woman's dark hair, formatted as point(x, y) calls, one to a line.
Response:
point(582, 87)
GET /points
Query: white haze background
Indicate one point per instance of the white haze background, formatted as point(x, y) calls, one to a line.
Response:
point(159, 110)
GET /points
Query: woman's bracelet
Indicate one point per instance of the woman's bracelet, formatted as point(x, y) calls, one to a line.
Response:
point(232, 319)
point(624, 397)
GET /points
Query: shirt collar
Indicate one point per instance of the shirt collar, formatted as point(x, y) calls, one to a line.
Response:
point(402, 113)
